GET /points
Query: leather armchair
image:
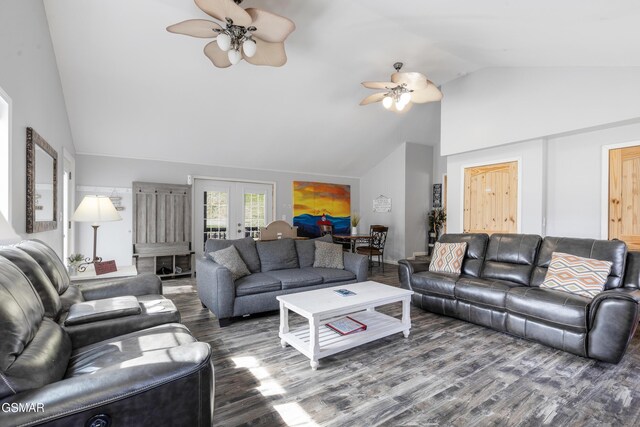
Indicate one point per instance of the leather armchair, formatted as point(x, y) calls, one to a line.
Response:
point(156, 376)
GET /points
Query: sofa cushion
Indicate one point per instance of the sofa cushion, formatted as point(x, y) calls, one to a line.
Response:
point(296, 278)
point(102, 309)
point(606, 250)
point(246, 248)
point(448, 257)
point(328, 255)
point(230, 258)
point(476, 250)
point(511, 257)
point(257, 283)
point(559, 309)
point(332, 275)
point(577, 275)
point(491, 293)
point(430, 282)
point(306, 250)
point(277, 254)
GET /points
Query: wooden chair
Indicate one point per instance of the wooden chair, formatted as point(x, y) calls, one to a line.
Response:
point(378, 237)
point(325, 229)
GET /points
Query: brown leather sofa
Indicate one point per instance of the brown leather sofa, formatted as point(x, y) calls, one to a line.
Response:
point(499, 288)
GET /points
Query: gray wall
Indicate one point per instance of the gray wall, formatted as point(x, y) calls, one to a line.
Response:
point(29, 75)
point(100, 174)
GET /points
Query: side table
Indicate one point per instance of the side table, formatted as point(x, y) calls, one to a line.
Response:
point(89, 275)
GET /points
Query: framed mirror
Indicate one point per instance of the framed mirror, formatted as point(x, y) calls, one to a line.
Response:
point(42, 184)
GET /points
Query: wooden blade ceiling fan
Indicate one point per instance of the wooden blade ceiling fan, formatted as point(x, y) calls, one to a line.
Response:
point(402, 91)
point(255, 35)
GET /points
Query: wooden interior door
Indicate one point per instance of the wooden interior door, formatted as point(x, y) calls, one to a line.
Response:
point(624, 195)
point(491, 198)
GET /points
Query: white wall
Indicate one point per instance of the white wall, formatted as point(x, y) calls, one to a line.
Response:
point(113, 172)
point(419, 191)
point(496, 106)
point(29, 75)
point(576, 177)
point(531, 189)
point(387, 178)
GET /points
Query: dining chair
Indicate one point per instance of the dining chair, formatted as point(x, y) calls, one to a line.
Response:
point(325, 229)
point(377, 240)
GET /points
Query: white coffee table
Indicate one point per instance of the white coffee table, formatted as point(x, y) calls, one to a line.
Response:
point(323, 305)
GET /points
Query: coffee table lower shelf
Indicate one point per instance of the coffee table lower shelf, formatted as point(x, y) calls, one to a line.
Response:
point(379, 325)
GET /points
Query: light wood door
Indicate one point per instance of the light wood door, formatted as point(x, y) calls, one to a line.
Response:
point(624, 195)
point(491, 198)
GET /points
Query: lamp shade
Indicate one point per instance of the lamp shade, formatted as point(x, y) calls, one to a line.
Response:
point(96, 209)
point(7, 233)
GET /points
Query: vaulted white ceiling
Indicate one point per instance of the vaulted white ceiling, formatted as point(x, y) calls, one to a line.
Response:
point(134, 90)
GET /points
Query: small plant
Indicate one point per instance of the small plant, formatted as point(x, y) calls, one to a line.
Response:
point(437, 219)
point(75, 259)
point(355, 219)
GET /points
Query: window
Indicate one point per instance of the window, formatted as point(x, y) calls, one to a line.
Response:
point(5, 154)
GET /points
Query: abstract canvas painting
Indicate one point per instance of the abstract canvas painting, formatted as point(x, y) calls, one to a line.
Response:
point(316, 203)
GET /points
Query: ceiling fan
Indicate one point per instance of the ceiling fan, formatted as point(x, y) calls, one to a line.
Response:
point(402, 91)
point(255, 35)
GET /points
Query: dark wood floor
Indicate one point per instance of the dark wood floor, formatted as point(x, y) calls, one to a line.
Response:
point(448, 372)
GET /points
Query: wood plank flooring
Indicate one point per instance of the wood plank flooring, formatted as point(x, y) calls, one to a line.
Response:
point(448, 372)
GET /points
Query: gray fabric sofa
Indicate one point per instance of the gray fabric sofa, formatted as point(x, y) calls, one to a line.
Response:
point(277, 267)
point(499, 287)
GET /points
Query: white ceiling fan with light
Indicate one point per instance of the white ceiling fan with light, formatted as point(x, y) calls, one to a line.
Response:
point(255, 35)
point(404, 89)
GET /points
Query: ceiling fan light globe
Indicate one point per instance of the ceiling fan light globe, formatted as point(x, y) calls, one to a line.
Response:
point(405, 98)
point(400, 106)
point(387, 102)
point(249, 48)
point(224, 41)
point(234, 56)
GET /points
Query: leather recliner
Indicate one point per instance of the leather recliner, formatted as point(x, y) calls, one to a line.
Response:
point(156, 376)
point(91, 312)
point(499, 288)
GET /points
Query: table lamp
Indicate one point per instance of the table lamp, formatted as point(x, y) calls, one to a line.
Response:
point(95, 209)
point(7, 233)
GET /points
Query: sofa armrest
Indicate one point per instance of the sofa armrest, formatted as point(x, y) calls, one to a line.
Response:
point(357, 264)
point(152, 388)
point(215, 287)
point(142, 284)
point(406, 268)
point(613, 318)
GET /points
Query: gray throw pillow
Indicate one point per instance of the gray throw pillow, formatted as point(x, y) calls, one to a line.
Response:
point(246, 248)
point(328, 255)
point(230, 258)
point(277, 255)
point(307, 250)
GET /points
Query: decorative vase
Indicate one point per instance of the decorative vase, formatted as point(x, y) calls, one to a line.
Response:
point(354, 231)
point(73, 269)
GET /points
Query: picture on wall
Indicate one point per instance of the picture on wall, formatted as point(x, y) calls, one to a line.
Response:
point(319, 203)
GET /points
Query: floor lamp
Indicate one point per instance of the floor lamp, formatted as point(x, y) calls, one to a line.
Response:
point(95, 209)
point(7, 233)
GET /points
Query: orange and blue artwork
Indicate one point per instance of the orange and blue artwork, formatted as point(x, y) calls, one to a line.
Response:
point(316, 203)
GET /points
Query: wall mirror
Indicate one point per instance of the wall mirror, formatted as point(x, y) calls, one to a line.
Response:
point(42, 184)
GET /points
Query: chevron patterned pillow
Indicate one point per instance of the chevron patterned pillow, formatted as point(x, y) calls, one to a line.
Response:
point(576, 275)
point(447, 257)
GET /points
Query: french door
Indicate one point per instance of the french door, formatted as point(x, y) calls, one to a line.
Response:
point(230, 210)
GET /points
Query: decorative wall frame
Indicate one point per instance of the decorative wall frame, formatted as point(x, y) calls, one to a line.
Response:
point(42, 171)
point(437, 195)
point(382, 204)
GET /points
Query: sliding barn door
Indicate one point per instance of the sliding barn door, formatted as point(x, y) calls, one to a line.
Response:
point(491, 198)
point(624, 196)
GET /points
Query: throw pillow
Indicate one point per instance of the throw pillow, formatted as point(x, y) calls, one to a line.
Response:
point(230, 258)
point(246, 248)
point(328, 255)
point(307, 250)
point(277, 255)
point(447, 257)
point(576, 275)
